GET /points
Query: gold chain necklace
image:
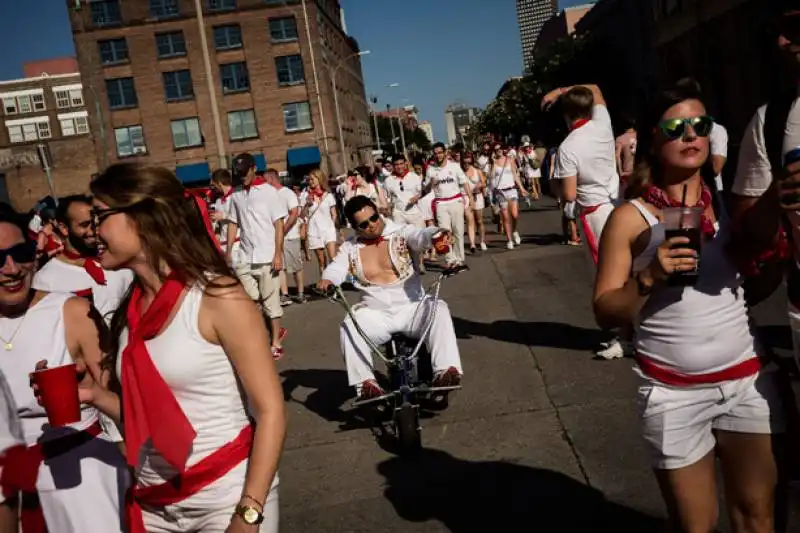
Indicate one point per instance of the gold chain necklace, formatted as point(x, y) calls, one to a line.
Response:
point(8, 344)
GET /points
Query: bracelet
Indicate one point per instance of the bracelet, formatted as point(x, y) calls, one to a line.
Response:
point(248, 497)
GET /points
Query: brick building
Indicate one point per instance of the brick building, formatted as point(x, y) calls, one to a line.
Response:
point(268, 69)
point(47, 108)
point(560, 26)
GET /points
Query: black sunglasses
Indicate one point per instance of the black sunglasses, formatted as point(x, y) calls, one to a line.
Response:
point(24, 252)
point(675, 128)
point(99, 215)
point(364, 224)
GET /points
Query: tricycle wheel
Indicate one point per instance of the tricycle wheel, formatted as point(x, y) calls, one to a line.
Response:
point(407, 429)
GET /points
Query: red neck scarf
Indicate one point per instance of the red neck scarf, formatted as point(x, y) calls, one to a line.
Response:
point(202, 206)
point(258, 180)
point(403, 175)
point(316, 192)
point(371, 242)
point(224, 197)
point(579, 124)
point(149, 408)
point(659, 199)
point(90, 265)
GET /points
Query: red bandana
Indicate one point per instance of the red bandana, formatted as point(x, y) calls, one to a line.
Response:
point(398, 176)
point(258, 180)
point(224, 197)
point(659, 199)
point(90, 264)
point(579, 123)
point(316, 192)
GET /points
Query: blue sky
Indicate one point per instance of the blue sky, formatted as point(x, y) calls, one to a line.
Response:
point(439, 51)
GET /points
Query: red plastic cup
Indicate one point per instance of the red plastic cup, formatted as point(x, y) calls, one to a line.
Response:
point(440, 244)
point(58, 393)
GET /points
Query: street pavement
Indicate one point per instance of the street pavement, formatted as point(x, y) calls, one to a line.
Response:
point(542, 437)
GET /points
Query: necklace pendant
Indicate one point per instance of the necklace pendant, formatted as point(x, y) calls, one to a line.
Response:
point(8, 346)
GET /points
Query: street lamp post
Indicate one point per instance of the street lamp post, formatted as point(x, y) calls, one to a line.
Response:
point(336, 103)
point(374, 101)
point(391, 125)
point(399, 124)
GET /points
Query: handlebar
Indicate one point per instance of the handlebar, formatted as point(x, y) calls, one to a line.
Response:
point(450, 272)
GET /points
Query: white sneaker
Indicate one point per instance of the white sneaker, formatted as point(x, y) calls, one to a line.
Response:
point(517, 238)
point(510, 245)
point(483, 246)
point(612, 350)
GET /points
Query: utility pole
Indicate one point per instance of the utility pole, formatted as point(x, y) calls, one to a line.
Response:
point(391, 124)
point(101, 124)
point(374, 101)
point(316, 88)
point(402, 136)
point(212, 93)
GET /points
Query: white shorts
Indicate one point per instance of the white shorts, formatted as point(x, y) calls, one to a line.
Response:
point(319, 241)
point(478, 203)
point(593, 221)
point(678, 423)
point(503, 198)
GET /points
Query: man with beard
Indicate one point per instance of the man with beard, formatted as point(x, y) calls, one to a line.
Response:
point(69, 478)
point(75, 269)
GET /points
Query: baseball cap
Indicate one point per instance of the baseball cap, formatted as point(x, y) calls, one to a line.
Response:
point(242, 164)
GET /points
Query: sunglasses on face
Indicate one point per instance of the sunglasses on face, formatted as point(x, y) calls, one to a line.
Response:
point(24, 252)
point(99, 215)
point(676, 128)
point(364, 224)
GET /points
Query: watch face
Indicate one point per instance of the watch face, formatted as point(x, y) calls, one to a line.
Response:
point(250, 515)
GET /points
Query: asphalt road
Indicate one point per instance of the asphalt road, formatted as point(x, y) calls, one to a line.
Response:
point(542, 437)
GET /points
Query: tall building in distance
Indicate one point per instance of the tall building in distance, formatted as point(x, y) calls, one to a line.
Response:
point(531, 16)
point(188, 90)
point(46, 108)
point(458, 120)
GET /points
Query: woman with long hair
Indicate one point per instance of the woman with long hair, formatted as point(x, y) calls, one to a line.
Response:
point(504, 181)
point(474, 216)
point(319, 210)
point(191, 381)
point(706, 391)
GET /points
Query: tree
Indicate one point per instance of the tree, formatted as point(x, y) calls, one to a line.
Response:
point(416, 139)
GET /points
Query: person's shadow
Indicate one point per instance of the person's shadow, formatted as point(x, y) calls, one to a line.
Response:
point(499, 496)
point(545, 334)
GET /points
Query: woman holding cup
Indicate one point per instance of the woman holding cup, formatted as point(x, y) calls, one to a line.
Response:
point(705, 388)
point(201, 405)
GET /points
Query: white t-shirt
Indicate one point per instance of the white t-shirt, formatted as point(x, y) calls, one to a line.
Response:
point(256, 211)
point(753, 170)
point(320, 221)
point(426, 206)
point(589, 152)
point(718, 141)
point(446, 181)
point(290, 198)
point(400, 191)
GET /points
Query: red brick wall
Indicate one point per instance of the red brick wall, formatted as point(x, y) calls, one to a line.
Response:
point(61, 65)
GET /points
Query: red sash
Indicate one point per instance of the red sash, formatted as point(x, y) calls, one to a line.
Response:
point(438, 200)
point(668, 376)
point(191, 481)
point(21, 470)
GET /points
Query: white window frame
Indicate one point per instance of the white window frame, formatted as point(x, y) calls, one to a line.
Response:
point(299, 128)
point(7, 104)
point(186, 133)
point(15, 134)
point(38, 102)
point(76, 98)
point(43, 130)
point(30, 132)
point(238, 114)
point(135, 150)
point(25, 104)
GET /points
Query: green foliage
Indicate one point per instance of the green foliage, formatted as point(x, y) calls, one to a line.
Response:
point(516, 110)
point(416, 140)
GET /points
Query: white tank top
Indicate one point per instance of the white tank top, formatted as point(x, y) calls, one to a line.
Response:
point(203, 381)
point(474, 181)
point(503, 177)
point(30, 345)
point(700, 329)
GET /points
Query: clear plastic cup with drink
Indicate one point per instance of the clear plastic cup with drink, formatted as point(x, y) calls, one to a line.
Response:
point(684, 222)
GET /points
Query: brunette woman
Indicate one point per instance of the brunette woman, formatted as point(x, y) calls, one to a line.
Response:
point(474, 216)
point(201, 403)
point(705, 392)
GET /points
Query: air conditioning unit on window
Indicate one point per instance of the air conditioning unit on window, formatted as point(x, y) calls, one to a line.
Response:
point(139, 150)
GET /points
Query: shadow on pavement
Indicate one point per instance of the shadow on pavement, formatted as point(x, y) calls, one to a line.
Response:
point(495, 496)
point(776, 336)
point(548, 334)
point(545, 239)
point(330, 393)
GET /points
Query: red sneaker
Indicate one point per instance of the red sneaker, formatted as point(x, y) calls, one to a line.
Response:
point(369, 390)
point(447, 378)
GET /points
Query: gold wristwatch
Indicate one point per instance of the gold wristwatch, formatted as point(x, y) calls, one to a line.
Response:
point(249, 514)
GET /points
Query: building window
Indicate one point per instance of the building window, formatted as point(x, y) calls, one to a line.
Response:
point(43, 129)
point(74, 126)
point(178, 85)
point(297, 116)
point(24, 103)
point(76, 97)
point(234, 77)
point(283, 29)
point(163, 9)
point(38, 102)
point(130, 141)
point(221, 5)
point(105, 13)
point(15, 134)
point(227, 37)
point(170, 44)
point(290, 70)
point(121, 93)
point(10, 106)
point(62, 99)
point(186, 133)
point(113, 51)
point(242, 125)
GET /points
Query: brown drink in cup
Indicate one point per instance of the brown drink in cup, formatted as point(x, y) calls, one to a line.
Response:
point(684, 222)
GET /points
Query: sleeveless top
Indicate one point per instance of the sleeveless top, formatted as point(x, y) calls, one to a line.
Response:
point(699, 329)
point(503, 177)
point(36, 335)
point(203, 381)
point(474, 182)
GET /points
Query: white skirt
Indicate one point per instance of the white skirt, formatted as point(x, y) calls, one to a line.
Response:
point(317, 241)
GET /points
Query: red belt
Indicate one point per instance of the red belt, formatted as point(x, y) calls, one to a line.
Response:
point(590, 209)
point(665, 375)
point(21, 470)
point(438, 200)
point(195, 479)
